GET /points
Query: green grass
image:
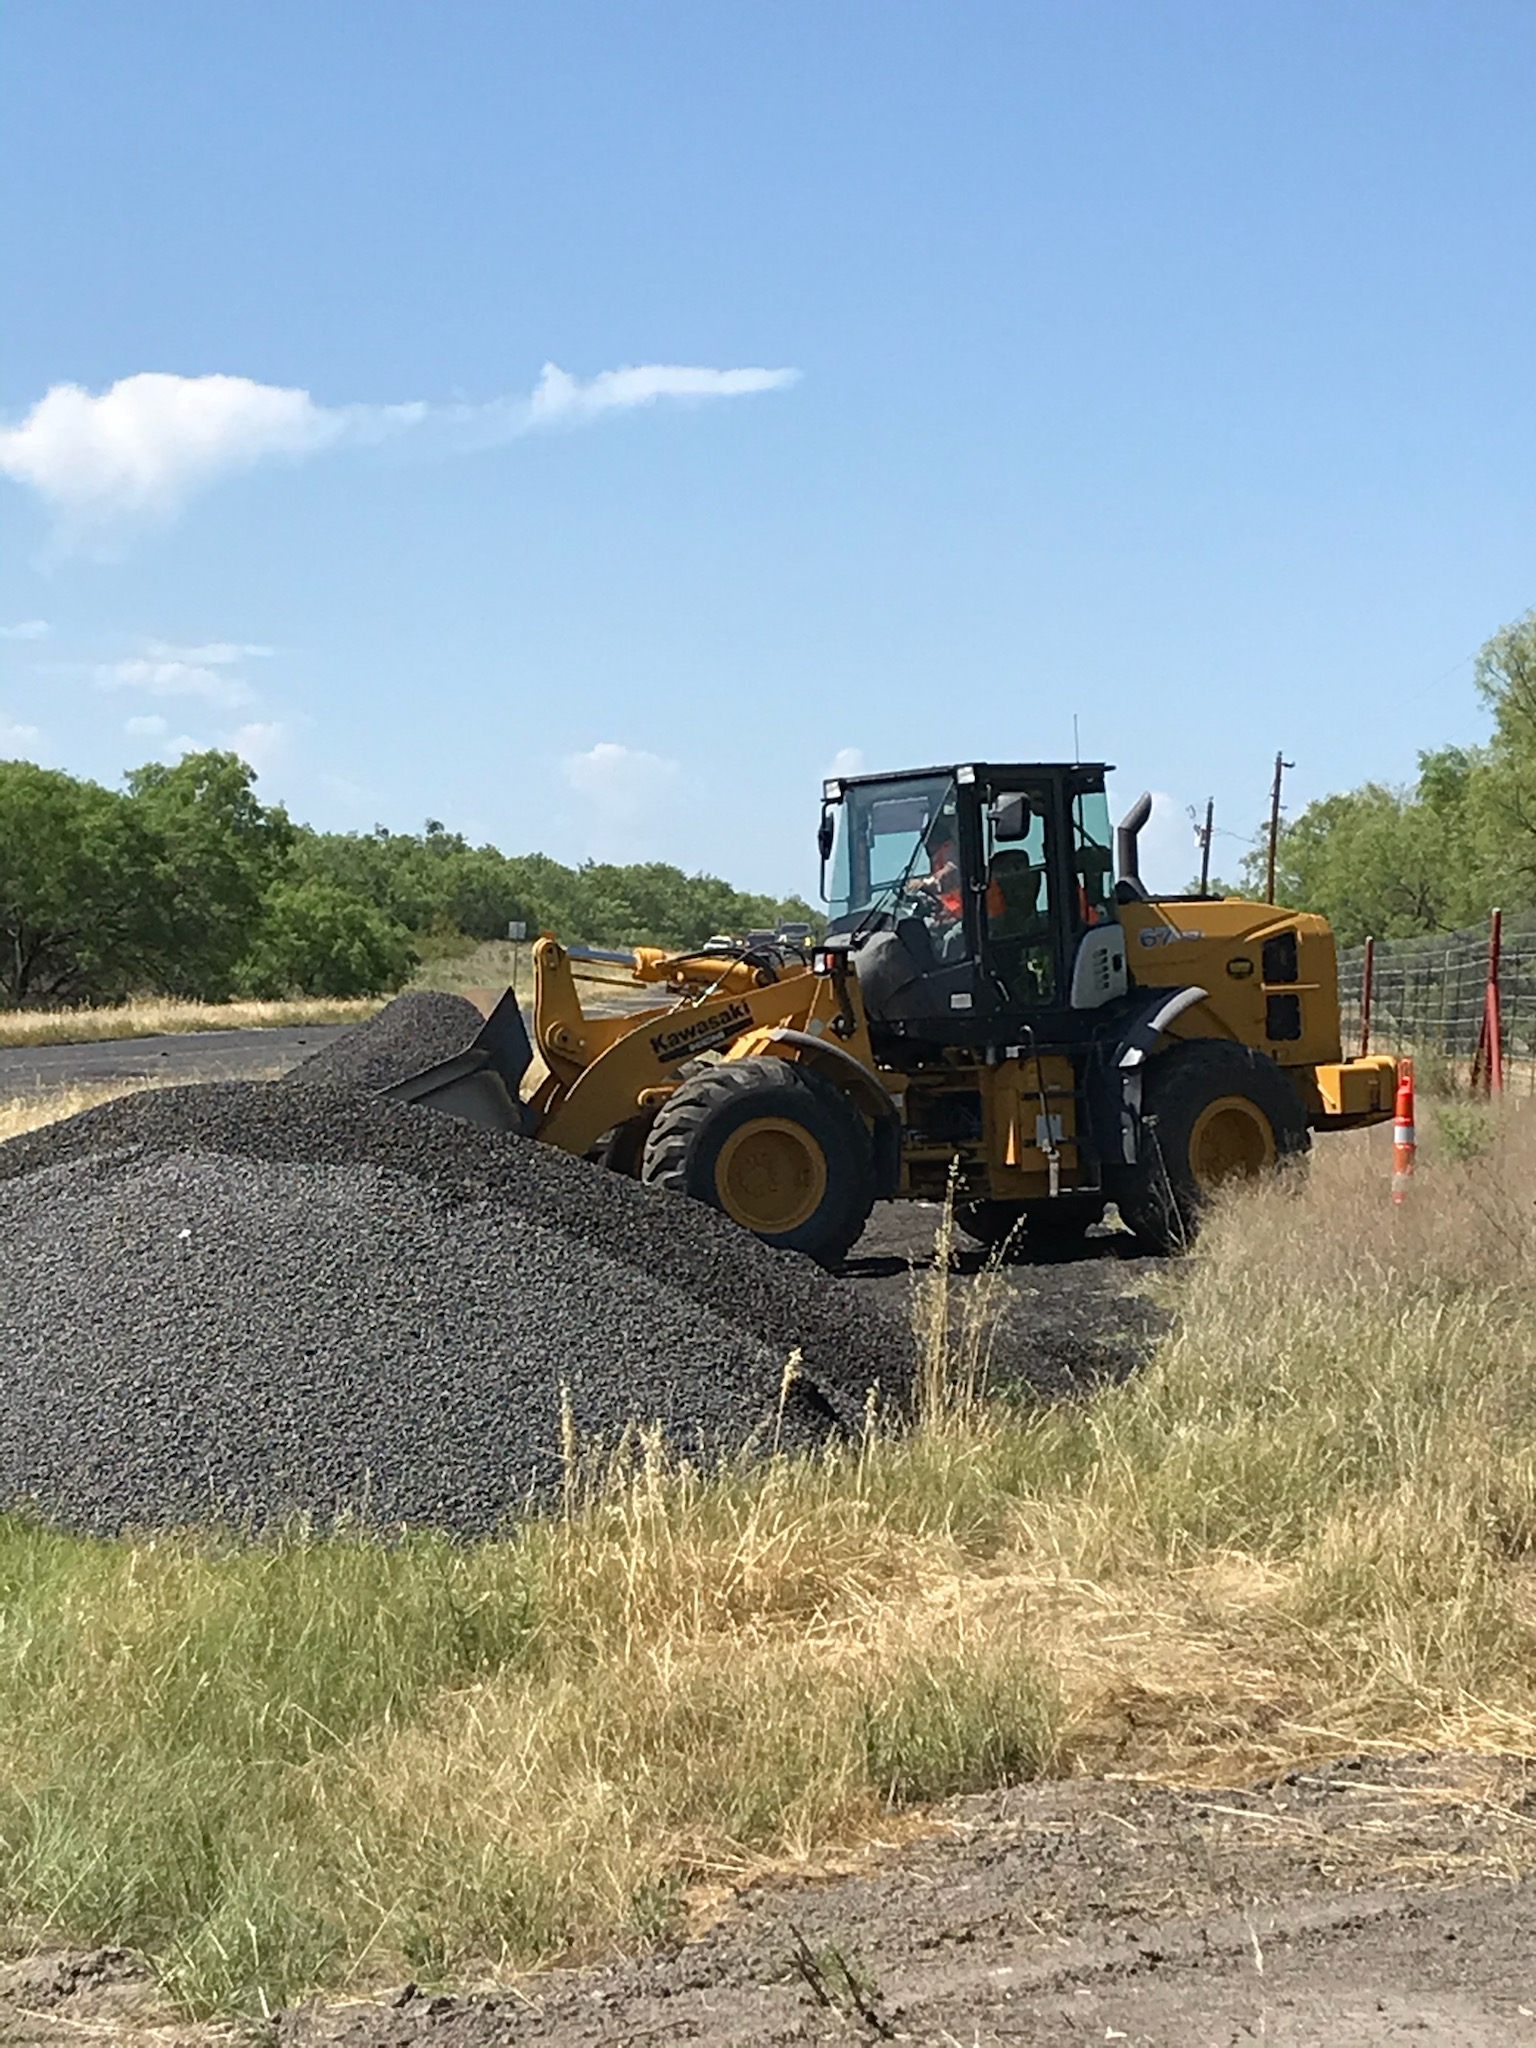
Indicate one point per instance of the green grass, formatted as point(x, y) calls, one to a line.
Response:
point(203, 1692)
point(276, 1766)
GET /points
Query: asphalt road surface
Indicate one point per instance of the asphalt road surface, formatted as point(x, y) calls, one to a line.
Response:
point(186, 1056)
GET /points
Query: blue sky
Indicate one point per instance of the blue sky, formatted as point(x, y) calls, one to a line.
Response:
point(1166, 364)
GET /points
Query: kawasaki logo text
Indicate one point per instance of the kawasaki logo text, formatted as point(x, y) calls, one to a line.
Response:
point(704, 1031)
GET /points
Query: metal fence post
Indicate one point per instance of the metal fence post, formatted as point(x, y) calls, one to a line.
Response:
point(1488, 1065)
point(1367, 990)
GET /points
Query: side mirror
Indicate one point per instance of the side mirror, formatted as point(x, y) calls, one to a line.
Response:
point(824, 836)
point(1011, 817)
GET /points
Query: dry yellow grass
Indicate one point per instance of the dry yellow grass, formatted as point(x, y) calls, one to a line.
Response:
point(19, 1113)
point(495, 964)
point(1309, 1525)
point(1306, 1527)
point(151, 1015)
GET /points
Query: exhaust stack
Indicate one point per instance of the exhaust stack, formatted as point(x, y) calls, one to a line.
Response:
point(1127, 832)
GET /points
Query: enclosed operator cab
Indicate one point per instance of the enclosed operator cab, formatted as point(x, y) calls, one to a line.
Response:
point(974, 897)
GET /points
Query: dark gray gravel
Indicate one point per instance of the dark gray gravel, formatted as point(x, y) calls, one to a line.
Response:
point(415, 1031)
point(267, 1339)
point(248, 1299)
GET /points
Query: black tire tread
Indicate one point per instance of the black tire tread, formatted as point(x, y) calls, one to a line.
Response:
point(1156, 1197)
point(683, 1120)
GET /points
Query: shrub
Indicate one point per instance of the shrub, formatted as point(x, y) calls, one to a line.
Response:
point(1465, 1130)
point(316, 940)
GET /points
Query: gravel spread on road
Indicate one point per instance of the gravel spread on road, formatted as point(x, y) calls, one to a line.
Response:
point(246, 1300)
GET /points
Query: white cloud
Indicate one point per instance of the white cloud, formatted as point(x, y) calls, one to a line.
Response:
point(260, 744)
point(18, 742)
point(847, 761)
point(29, 629)
point(216, 653)
point(560, 397)
point(175, 679)
point(628, 794)
point(150, 727)
point(148, 442)
point(1166, 850)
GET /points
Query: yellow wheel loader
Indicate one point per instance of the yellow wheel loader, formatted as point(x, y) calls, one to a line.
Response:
point(998, 1005)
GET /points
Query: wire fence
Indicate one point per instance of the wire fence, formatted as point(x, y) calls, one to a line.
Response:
point(1446, 998)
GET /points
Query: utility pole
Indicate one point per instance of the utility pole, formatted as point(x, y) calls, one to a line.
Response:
point(1281, 764)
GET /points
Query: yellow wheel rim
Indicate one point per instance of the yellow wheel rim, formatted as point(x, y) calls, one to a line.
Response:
point(771, 1176)
point(1232, 1140)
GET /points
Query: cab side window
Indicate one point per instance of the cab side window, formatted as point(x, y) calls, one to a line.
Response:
point(1093, 862)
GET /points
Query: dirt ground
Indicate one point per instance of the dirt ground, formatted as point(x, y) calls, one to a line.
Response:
point(1360, 1904)
point(1325, 1909)
point(1056, 1319)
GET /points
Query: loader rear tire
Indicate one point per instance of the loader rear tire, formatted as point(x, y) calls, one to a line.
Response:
point(621, 1149)
point(1212, 1113)
point(776, 1147)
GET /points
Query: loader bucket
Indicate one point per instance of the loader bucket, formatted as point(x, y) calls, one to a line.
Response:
point(480, 1084)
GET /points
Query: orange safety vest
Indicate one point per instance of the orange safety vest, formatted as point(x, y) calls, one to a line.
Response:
point(942, 858)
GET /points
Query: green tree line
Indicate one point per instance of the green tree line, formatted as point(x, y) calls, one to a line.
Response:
point(184, 883)
point(1396, 862)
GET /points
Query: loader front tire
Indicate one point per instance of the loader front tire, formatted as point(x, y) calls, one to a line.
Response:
point(776, 1147)
point(1212, 1113)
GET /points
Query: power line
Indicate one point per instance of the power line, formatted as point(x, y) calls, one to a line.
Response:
point(1412, 695)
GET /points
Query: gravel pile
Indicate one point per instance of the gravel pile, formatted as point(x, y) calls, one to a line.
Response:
point(415, 1031)
point(246, 1300)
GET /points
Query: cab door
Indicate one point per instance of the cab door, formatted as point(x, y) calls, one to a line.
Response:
point(1019, 892)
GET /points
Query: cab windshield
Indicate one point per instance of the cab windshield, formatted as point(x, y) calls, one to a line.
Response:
point(897, 846)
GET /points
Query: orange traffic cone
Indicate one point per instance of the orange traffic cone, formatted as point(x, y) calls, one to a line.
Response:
point(1404, 1139)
